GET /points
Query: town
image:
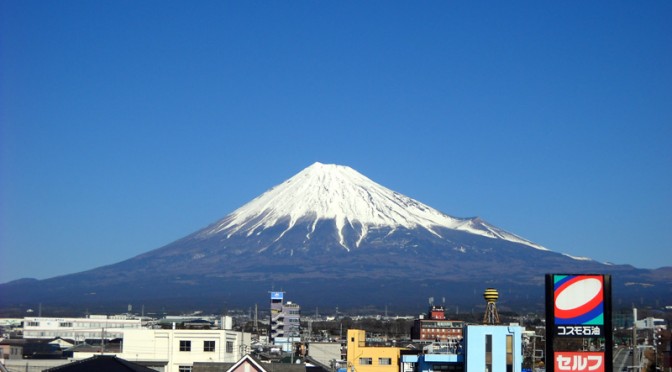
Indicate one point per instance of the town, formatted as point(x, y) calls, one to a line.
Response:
point(283, 337)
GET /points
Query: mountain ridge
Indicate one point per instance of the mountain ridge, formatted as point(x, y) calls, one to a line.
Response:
point(323, 188)
point(331, 234)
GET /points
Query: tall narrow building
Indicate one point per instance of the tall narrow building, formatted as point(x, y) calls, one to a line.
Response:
point(285, 322)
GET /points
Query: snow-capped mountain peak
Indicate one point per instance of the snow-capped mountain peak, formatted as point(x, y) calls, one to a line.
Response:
point(339, 193)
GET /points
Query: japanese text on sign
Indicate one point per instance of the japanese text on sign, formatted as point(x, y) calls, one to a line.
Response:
point(579, 362)
point(579, 331)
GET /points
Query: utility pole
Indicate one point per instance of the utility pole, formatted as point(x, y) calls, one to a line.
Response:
point(635, 356)
point(102, 341)
point(256, 319)
point(534, 350)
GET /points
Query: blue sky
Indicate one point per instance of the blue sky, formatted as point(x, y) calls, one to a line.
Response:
point(125, 125)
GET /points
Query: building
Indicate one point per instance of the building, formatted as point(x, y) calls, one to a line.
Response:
point(435, 327)
point(11, 349)
point(176, 350)
point(651, 323)
point(442, 359)
point(284, 325)
point(493, 348)
point(485, 348)
point(364, 358)
point(166, 350)
point(326, 353)
point(78, 329)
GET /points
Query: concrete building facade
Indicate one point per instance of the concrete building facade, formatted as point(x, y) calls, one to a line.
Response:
point(284, 325)
point(364, 358)
point(435, 327)
point(176, 350)
point(493, 348)
point(78, 329)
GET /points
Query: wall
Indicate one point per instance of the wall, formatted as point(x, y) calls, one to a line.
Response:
point(162, 347)
point(357, 350)
point(475, 348)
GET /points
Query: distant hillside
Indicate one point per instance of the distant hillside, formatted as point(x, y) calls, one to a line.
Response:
point(331, 237)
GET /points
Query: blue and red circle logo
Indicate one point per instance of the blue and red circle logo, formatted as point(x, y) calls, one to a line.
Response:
point(579, 299)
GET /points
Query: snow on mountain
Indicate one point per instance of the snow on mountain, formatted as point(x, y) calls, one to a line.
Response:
point(339, 193)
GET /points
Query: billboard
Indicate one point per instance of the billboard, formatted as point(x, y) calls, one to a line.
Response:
point(578, 309)
point(578, 305)
point(277, 295)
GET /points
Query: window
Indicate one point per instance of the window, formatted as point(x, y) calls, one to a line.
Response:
point(229, 347)
point(385, 361)
point(365, 361)
point(184, 368)
point(33, 324)
point(65, 324)
point(509, 353)
point(208, 345)
point(488, 353)
point(185, 345)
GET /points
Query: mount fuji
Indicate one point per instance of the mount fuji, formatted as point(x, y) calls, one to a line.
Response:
point(330, 236)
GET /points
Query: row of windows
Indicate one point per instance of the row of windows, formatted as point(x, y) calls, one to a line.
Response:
point(441, 332)
point(208, 346)
point(381, 361)
point(85, 325)
point(445, 324)
point(74, 335)
point(447, 367)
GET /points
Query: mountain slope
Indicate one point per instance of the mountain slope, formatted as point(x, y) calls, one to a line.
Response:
point(331, 234)
point(339, 193)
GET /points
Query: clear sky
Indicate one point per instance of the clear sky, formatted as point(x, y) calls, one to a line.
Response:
point(125, 125)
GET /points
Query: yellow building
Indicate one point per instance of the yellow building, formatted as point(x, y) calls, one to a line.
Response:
point(362, 358)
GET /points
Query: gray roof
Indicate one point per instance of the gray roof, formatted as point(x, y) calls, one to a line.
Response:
point(267, 367)
point(101, 363)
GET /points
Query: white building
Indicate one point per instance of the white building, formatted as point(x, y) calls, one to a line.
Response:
point(651, 323)
point(167, 350)
point(78, 329)
point(176, 350)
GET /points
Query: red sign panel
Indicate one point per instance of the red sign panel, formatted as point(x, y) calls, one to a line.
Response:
point(576, 361)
